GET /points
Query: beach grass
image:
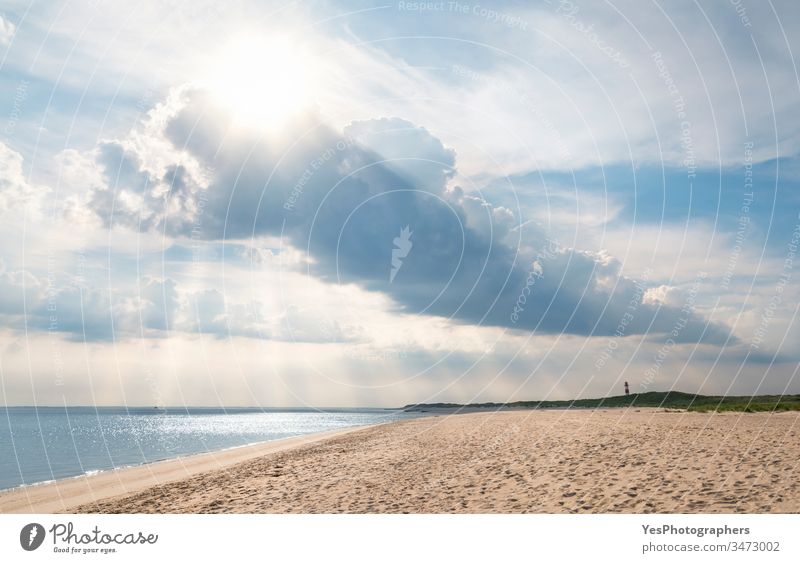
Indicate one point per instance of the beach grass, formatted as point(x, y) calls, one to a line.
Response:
point(673, 400)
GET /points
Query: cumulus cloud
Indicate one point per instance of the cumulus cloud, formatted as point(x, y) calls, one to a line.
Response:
point(31, 302)
point(149, 183)
point(7, 30)
point(208, 311)
point(154, 309)
point(346, 196)
point(15, 191)
point(16, 288)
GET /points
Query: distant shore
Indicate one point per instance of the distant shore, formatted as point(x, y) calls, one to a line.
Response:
point(553, 461)
point(659, 399)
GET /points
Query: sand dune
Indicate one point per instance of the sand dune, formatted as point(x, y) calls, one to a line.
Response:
point(548, 461)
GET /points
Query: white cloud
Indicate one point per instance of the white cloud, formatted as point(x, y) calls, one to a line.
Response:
point(15, 191)
point(547, 98)
point(665, 294)
point(7, 30)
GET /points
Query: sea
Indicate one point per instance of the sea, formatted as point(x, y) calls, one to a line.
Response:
point(48, 443)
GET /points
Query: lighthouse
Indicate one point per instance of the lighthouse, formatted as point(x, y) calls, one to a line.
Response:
point(627, 389)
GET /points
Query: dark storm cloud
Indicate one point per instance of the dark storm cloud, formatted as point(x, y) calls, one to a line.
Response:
point(345, 198)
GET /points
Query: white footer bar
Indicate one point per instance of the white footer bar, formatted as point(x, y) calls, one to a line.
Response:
point(400, 538)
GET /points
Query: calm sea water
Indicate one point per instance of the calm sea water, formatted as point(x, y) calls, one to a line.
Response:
point(52, 443)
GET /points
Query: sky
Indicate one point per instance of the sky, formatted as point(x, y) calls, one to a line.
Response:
point(375, 204)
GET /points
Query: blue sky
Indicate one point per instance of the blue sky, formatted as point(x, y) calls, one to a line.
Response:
point(203, 206)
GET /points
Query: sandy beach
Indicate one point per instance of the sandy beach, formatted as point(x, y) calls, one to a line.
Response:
point(616, 460)
point(65, 495)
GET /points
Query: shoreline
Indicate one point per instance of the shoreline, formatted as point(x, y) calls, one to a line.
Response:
point(65, 493)
point(511, 461)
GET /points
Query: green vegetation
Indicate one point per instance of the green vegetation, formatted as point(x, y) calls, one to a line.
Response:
point(666, 400)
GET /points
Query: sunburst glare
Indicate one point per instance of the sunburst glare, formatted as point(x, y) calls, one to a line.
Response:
point(262, 82)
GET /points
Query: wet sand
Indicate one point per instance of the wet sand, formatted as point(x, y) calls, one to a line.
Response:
point(65, 495)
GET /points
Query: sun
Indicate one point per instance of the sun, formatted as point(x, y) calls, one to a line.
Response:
point(262, 82)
